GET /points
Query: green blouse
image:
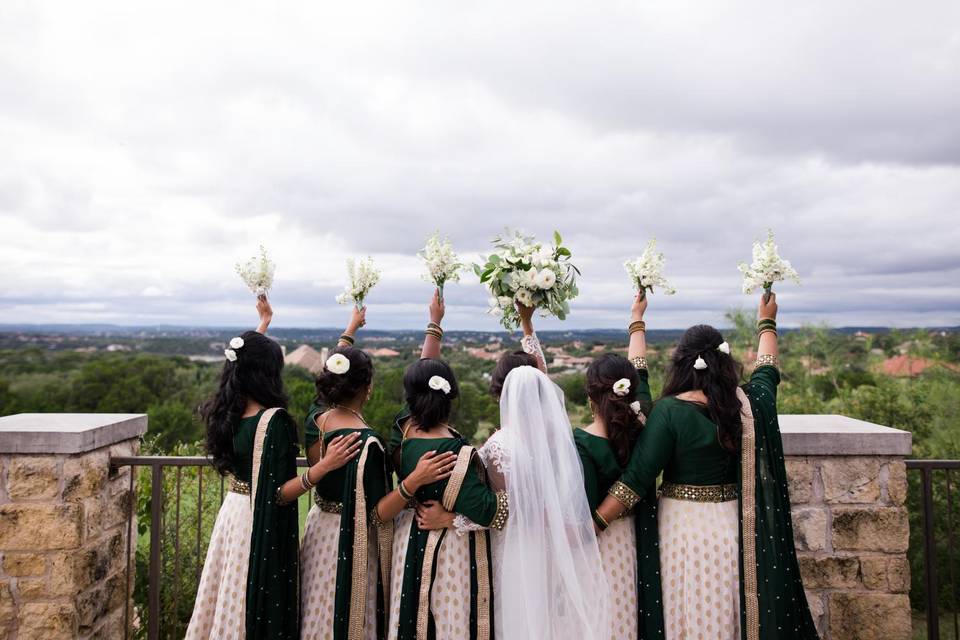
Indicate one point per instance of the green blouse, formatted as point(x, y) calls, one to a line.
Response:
point(243, 437)
point(680, 441)
point(600, 466)
point(476, 500)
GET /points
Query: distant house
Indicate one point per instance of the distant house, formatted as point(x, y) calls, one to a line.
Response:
point(382, 352)
point(904, 366)
point(307, 357)
point(484, 354)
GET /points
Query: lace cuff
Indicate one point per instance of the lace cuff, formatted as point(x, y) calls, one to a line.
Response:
point(531, 344)
point(463, 525)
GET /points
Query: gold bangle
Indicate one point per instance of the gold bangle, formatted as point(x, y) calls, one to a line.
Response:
point(768, 360)
point(434, 325)
point(766, 330)
point(406, 495)
point(602, 523)
point(348, 339)
point(636, 325)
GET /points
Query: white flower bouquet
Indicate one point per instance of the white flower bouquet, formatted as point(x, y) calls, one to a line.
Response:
point(646, 272)
point(443, 265)
point(257, 273)
point(362, 275)
point(767, 267)
point(531, 273)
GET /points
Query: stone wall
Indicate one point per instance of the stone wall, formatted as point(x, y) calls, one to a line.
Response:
point(63, 533)
point(851, 531)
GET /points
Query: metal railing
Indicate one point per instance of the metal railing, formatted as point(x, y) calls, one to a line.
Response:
point(931, 582)
point(154, 466)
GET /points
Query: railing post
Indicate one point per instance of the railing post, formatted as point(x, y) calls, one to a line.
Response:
point(156, 498)
point(930, 557)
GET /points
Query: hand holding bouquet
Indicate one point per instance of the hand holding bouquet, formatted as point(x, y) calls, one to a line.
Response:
point(257, 273)
point(362, 275)
point(443, 265)
point(646, 272)
point(767, 267)
point(522, 270)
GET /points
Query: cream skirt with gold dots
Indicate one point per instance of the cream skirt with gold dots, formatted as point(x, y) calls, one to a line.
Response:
point(318, 577)
point(699, 569)
point(220, 609)
point(618, 551)
point(450, 596)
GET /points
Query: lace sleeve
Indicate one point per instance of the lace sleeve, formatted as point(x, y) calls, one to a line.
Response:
point(464, 525)
point(531, 344)
point(494, 457)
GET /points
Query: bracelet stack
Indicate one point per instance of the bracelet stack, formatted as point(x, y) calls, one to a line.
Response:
point(433, 329)
point(636, 325)
point(305, 481)
point(766, 325)
point(602, 524)
point(406, 495)
point(348, 339)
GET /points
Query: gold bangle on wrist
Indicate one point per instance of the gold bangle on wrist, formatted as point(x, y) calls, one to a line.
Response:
point(602, 523)
point(348, 339)
point(636, 325)
point(406, 495)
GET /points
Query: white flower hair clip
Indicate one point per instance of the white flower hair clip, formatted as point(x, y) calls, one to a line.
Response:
point(231, 353)
point(724, 347)
point(438, 383)
point(337, 364)
point(621, 387)
point(700, 364)
point(635, 406)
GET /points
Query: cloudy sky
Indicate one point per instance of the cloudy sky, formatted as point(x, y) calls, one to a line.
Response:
point(148, 147)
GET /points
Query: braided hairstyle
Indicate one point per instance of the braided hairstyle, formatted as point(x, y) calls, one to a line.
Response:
point(623, 424)
point(718, 381)
point(255, 375)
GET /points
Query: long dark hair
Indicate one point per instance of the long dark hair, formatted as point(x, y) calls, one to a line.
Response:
point(335, 388)
point(255, 375)
point(718, 381)
point(429, 407)
point(507, 363)
point(623, 425)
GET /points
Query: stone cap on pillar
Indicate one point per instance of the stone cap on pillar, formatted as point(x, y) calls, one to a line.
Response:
point(835, 435)
point(67, 432)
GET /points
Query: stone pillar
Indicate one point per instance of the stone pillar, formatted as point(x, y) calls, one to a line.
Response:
point(848, 485)
point(63, 524)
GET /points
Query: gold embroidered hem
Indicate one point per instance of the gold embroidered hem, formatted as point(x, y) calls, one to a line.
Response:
point(700, 493)
point(627, 496)
point(239, 486)
point(502, 513)
point(327, 506)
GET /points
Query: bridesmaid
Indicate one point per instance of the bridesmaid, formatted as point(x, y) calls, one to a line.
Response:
point(723, 502)
point(619, 394)
point(348, 538)
point(441, 583)
point(248, 588)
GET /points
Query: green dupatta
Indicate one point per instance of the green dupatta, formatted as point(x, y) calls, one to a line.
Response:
point(273, 576)
point(365, 484)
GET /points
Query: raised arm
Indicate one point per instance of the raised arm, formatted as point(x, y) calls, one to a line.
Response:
point(767, 350)
point(265, 311)
point(358, 318)
point(434, 334)
point(530, 343)
point(637, 351)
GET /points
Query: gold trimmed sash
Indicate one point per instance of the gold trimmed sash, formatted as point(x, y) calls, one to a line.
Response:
point(358, 589)
point(748, 507)
point(258, 440)
point(434, 538)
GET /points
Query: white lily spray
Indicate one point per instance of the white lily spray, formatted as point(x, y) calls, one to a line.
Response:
point(646, 272)
point(767, 267)
point(443, 265)
point(257, 273)
point(362, 276)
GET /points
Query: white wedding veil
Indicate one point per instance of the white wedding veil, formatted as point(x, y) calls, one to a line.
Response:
point(551, 583)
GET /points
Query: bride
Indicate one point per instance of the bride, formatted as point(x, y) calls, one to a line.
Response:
point(548, 580)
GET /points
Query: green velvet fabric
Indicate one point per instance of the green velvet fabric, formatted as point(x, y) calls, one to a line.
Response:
point(273, 578)
point(476, 501)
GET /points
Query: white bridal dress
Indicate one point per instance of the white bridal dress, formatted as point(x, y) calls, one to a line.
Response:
point(548, 576)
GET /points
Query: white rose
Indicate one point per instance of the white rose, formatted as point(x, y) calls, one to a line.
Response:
point(635, 406)
point(236, 343)
point(724, 348)
point(542, 256)
point(338, 364)
point(230, 355)
point(621, 387)
point(528, 278)
point(438, 383)
point(525, 297)
point(504, 301)
point(546, 279)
